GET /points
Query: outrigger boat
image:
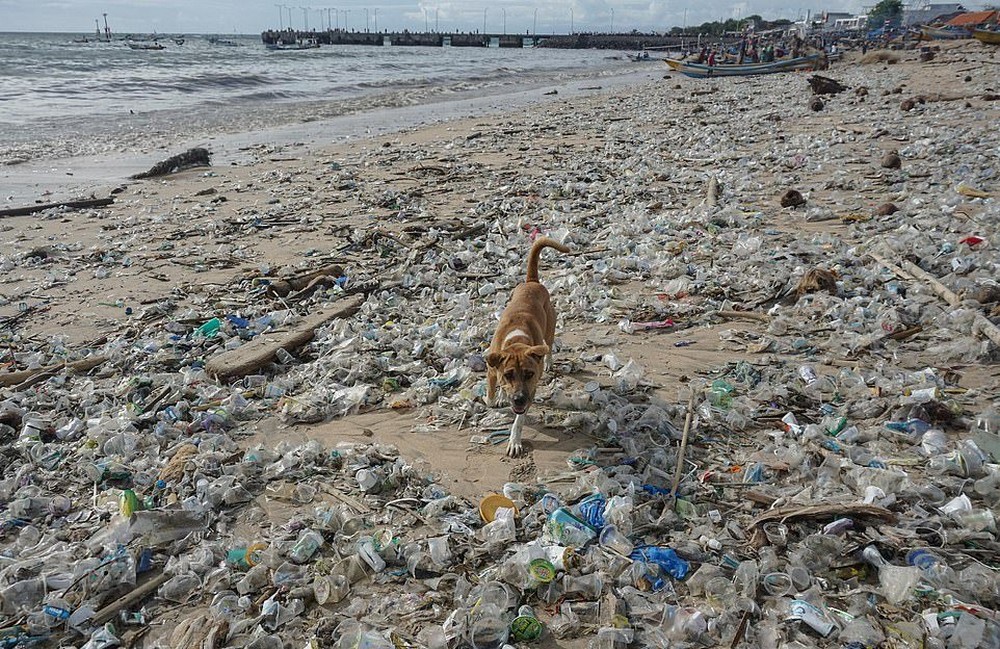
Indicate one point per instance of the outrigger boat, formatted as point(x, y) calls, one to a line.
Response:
point(703, 70)
point(306, 44)
point(943, 33)
point(987, 36)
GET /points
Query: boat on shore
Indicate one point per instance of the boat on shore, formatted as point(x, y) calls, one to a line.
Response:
point(986, 36)
point(943, 33)
point(703, 70)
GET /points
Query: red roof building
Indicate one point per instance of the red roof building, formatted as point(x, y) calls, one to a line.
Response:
point(973, 18)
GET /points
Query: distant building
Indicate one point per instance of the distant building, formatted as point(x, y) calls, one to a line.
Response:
point(851, 24)
point(929, 13)
point(831, 18)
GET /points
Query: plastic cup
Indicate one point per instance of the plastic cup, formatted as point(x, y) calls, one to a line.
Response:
point(776, 533)
point(489, 632)
point(720, 593)
point(437, 547)
point(615, 541)
point(801, 579)
point(777, 584)
point(330, 589)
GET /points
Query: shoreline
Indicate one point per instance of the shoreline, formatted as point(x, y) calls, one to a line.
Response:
point(79, 176)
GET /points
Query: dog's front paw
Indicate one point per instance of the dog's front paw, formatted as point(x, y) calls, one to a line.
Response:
point(514, 448)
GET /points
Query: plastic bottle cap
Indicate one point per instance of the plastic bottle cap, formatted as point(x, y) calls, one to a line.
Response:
point(542, 570)
point(525, 628)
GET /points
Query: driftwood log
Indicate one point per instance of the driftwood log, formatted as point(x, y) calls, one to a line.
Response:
point(136, 595)
point(909, 270)
point(284, 286)
point(825, 85)
point(70, 205)
point(82, 365)
point(260, 351)
point(197, 157)
point(825, 511)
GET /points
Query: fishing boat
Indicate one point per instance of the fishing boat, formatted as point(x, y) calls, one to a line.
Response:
point(702, 70)
point(943, 32)
point(305, 44)
point(986, 36)
point(144, 46)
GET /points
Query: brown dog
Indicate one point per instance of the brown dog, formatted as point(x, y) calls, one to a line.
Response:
point(522, 343)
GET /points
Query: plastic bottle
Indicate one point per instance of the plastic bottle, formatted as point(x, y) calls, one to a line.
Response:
point(566, 529)
point(590, 510)
point(897, 582)
point(306, 546)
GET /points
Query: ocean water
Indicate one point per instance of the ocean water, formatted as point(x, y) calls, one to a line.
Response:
point(62, 98)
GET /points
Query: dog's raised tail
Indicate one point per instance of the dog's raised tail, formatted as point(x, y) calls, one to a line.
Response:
point(536, 250)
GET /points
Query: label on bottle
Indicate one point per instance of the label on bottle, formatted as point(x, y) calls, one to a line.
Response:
point(812, 616)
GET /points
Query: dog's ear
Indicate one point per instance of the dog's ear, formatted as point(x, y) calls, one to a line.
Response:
point(538, 352)
point(493, 359)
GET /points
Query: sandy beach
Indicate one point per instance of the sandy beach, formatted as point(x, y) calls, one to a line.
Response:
point(428, 211)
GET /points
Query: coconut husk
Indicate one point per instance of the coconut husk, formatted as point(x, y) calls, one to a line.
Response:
point(815, 280)
point(881, 56)
point(174, 470)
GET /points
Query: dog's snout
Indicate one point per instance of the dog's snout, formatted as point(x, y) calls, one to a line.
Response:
point(520, 399)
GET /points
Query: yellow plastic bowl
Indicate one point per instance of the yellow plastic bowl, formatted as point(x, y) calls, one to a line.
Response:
point(490, 504)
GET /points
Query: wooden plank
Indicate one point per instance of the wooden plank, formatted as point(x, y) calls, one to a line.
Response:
point(41, 207)
point(260, 351)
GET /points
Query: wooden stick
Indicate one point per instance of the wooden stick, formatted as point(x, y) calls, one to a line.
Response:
point(260, 351)
point(712, 193)
point(111, 610)
point(906, 269)
point(24, 376)
point(679, 469)
point(748, 315)
point(41, 207)
point(823, 511)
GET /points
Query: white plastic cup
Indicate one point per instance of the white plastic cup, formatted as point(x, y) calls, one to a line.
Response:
point(615, 541)
point(777, 584)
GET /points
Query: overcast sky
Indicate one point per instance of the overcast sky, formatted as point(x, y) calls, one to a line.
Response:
point(253, 16)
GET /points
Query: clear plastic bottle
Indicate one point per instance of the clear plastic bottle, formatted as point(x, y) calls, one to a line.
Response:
point(305, 547)
point(988, 421)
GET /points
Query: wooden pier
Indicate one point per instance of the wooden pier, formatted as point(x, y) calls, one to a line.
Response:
point(630, 41)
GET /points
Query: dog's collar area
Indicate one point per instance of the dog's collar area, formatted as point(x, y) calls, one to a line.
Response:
point(516, 333)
